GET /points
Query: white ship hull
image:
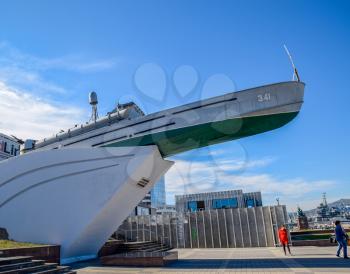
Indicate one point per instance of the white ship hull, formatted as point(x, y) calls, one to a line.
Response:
point(75, 197)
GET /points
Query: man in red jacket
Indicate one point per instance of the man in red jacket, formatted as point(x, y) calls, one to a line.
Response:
point(283, 236)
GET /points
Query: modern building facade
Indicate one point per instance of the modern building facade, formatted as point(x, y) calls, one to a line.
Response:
point(152, 201)
point(216, 228)
point(210, 220)
point(9, 147)
point(144, 207)
point(158, 194)
point(166, 209)
point(217, 200)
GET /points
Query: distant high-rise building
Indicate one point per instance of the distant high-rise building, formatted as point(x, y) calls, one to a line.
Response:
point(158, 194)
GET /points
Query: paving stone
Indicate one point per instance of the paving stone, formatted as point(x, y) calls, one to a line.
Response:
point(318, 260)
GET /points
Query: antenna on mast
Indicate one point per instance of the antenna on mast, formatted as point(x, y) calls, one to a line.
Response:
point(93, 102)
point(324, 199)
point(295, 73)
point(278, 201)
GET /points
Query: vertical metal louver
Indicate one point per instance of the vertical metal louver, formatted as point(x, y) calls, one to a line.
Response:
point(143, 182)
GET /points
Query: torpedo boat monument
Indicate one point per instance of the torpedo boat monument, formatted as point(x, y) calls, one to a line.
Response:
point(75, 188)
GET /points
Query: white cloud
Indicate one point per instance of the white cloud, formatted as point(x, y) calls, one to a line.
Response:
point(267, 184)
point(27, 116)
point(29, 80)
point(242, 165)
point(28, 72)
point(11, 56)
point(202, 176)
point(25, 110)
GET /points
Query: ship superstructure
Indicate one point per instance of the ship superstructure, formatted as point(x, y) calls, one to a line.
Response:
point(215, 120)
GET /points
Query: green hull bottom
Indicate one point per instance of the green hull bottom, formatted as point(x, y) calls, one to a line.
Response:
point(175, 141)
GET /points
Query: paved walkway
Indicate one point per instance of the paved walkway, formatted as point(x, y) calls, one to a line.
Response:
point(238, 260)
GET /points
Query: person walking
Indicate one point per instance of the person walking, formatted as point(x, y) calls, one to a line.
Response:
point(283, 237)
point(342, 237)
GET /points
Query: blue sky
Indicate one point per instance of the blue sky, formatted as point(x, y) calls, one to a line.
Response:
point(166, 53)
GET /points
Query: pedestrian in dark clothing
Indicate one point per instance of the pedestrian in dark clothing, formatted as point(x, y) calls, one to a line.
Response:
point(283, 236)
point(342, 237)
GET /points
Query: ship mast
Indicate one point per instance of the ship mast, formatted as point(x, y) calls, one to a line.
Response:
point(295, 71)
point(93, 102)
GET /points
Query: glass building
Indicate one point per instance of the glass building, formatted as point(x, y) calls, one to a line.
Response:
point(158, 194)
point(217, 200)
point(152, 201)
point(225, 203)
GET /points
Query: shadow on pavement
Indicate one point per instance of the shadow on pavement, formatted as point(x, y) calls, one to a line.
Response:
point(261, 263)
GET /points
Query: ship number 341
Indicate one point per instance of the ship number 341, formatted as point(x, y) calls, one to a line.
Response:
point(264, 97)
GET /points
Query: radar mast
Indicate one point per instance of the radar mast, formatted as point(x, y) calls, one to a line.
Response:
point(93, 102)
